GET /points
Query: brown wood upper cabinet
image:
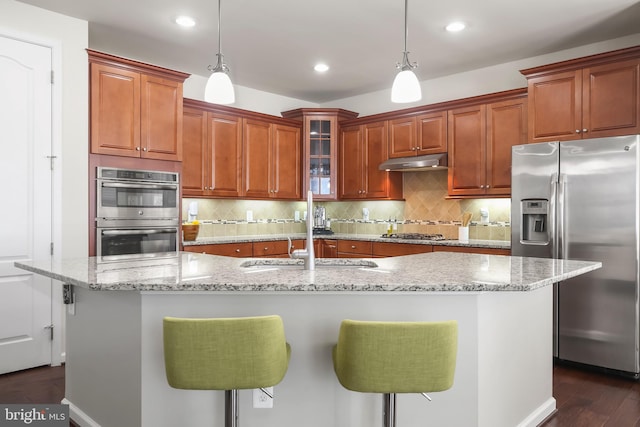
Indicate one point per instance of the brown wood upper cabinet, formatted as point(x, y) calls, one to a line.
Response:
point(136, 109)
point(320, 148)
point(362, 149)
point(418, 135)
point(271, 160)
point(212, 154)
point(595, 96)
point(480, 140)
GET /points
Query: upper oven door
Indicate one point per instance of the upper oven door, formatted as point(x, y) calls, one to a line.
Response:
point(123, 200)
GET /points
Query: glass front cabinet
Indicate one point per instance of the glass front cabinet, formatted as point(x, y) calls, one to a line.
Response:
point(320, 148)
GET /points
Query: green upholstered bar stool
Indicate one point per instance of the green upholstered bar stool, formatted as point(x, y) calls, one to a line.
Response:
point(396, 357)
point(225, 354)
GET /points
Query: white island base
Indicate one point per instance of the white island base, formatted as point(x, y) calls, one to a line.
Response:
point(115, 370)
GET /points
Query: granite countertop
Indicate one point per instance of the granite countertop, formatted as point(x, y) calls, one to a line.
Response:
point(436, 271)
point(493, 244)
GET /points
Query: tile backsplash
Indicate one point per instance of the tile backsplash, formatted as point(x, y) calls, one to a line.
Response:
point(425, 210)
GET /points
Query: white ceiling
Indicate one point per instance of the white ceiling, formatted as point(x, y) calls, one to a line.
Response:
point(272, 45)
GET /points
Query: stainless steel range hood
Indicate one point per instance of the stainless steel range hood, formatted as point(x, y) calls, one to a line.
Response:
point(429, 162)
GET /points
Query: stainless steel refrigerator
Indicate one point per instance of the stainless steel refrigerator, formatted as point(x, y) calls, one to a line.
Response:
point(579, 200)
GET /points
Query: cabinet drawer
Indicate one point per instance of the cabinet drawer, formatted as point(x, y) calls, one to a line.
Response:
point(224, 249)
point(276, 248)
point(354, 247)
point(469, 250)
point(386, 249)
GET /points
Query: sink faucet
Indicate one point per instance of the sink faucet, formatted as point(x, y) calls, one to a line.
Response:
point(307, 254)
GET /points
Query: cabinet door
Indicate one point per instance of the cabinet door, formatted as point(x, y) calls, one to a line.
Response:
point(195, 152)
point(286, 162)
point(321, 158)
point(611, 99)
point(467, 145)
point(257, 151)
point(506, 127)
point(555, 107)
point(375, 151)
point(225, 167)
point(387, 249)
point(115, 111)
point(432, 133)
point(161, 118)
point(329, 248)
point(402, 137)
point(351, 163)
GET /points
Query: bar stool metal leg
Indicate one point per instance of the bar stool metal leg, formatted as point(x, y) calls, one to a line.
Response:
point(389, 409)
point(231, 408)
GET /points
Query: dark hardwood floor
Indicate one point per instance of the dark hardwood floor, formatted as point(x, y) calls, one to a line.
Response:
point(37, 385)
point(593, 399)
point(584, 398)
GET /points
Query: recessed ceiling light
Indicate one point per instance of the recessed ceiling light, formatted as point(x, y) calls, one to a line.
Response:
point(456, 26)
point(185, 21)
point(321, 68)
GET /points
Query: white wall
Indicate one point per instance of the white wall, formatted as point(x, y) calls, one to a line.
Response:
point(476, 82)
point(69, 38)
point(247, 98)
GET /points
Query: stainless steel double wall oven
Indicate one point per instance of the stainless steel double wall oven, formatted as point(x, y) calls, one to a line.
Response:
point(137, 212)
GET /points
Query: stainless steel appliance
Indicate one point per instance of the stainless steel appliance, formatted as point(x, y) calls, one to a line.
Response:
point(137, 212)
point(580, 200)
point(136, 196)
point(320, 222)
point(143, 241)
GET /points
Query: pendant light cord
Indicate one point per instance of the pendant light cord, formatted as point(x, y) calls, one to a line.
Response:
point(219, 37)
point(406, 27)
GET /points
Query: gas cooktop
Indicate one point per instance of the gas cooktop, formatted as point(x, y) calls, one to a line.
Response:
point(414, 236)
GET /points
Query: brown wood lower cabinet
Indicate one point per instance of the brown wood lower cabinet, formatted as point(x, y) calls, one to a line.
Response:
point(240, 250)
point(269, 249)
point(276, 248)
point(470, 250)
point(385, 249)
point(354, 249)
point(326, 248)
point(330, 248)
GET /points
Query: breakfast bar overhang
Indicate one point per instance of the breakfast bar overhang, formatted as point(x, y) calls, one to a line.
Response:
point(114, 358)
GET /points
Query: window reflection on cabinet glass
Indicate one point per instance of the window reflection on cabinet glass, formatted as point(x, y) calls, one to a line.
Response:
point(320, 185)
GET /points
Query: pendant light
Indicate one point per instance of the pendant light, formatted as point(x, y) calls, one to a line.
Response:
point(219, 89)
point(406, 87)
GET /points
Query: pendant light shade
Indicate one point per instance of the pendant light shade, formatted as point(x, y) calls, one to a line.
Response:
point(406, 87)
point(219, 89)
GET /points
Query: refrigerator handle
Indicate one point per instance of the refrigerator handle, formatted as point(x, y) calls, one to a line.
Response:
point(562, 194)
point(552, 227)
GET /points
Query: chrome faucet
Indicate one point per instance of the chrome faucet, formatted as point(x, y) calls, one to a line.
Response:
point(307, 254)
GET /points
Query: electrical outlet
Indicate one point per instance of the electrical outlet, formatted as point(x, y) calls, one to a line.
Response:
point(262, 399)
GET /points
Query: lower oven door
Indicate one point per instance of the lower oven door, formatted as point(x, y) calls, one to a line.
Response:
point(140, 241)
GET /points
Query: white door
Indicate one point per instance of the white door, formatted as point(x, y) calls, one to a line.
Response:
point(25, 203)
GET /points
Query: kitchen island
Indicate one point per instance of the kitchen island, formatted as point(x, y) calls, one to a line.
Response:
point(114, 359)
